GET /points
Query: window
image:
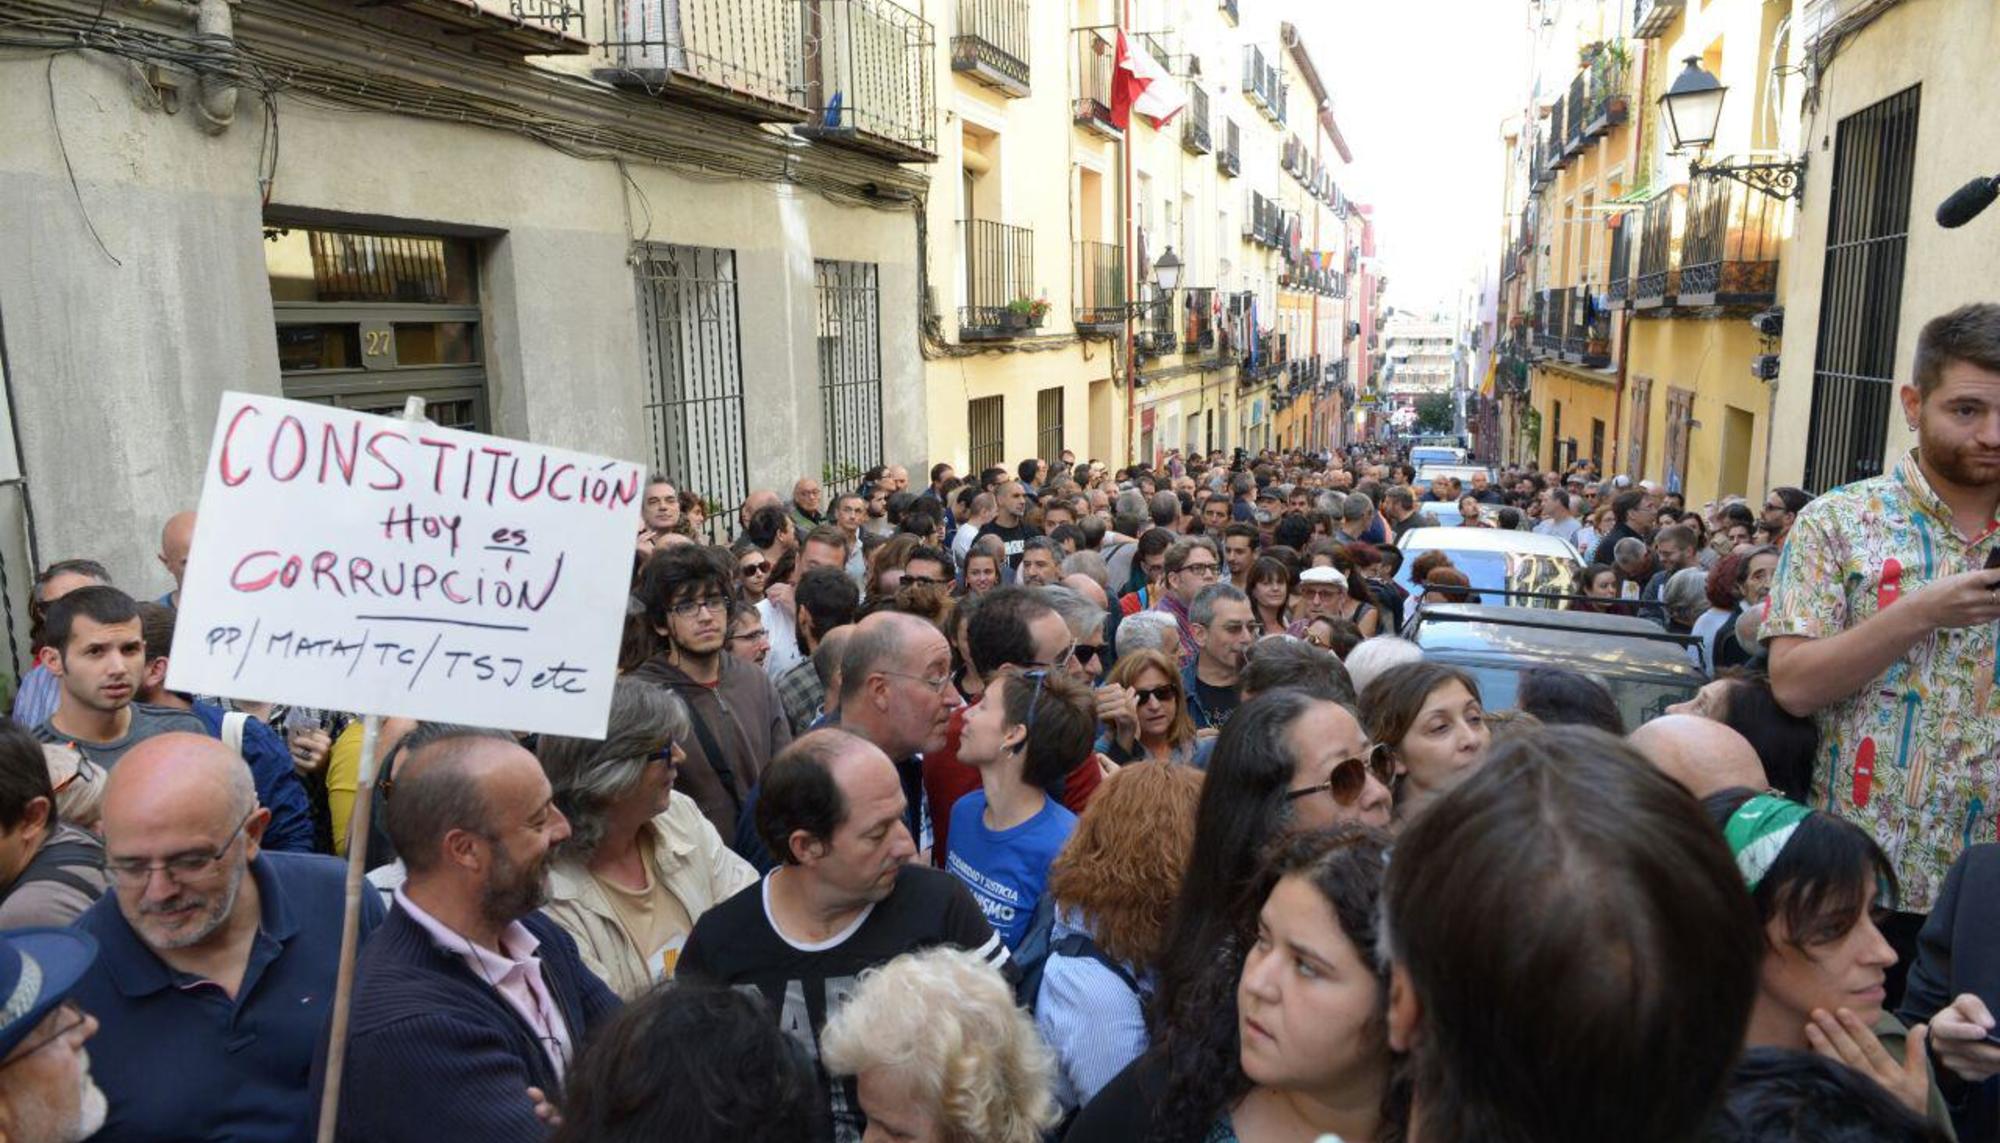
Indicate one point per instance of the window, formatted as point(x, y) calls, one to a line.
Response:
point(1680, 426)
point(366, 319)
point(1597, 440)
point(1861, 292)
point(694, 375)
point(1555, 435)
point(987, 429)
point(850, 371)
point(1642, 411)
point(1049, 424)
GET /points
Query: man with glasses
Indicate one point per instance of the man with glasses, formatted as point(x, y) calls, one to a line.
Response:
point(748, 639)
point(47, 1094)
point(927, 567)
point(218, 957)
point(738, 723)
point(806, 494)
point(1192, 564)
point(1781, 511)
point(896, 691)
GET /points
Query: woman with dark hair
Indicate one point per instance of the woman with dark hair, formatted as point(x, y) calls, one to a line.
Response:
point(1557, 697)
point(735, 1077)
point(753, 571)
point(1111, 888)
point(982, 565)
point(1269, 586)
point(771, 529)
point(1785, 743)
point(640, 866)
point(1430, 721)
point(1285, 761)
point(694, 514)
point(1289, 1038)
point(1818, 882)
point(1559, 926)
point(885, 565)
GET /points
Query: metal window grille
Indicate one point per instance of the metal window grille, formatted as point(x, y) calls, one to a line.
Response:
point(694, 374)
point(987, 427)
point(850, 371)
point(1049, 424)
point(1680, 424)
point(1642, 407)
point(1861, 292)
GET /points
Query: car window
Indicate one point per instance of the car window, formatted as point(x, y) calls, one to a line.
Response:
point(1639, 700)
point(1505, 571)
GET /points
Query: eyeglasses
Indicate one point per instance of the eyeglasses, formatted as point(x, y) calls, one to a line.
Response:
point(1317, 640)
point(920, 581)
point(76, 1018)
point(1204, 568)
point(688, 609)
point(759, 635)
point(1350, 776)
point(931, 682)
point(1160, 694)
point(136, 871)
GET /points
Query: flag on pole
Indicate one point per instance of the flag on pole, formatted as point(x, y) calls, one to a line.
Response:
point(1139, 83)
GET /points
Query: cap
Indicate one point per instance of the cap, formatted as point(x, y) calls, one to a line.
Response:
point(1322, 575)
point(39, 967)
point(1621, 481)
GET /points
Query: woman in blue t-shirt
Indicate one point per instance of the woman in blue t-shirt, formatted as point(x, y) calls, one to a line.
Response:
point(1026, 733)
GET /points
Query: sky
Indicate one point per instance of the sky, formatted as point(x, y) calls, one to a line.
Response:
point(1419, 89)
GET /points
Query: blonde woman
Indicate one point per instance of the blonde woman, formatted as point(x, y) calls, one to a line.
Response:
point(940, 1053)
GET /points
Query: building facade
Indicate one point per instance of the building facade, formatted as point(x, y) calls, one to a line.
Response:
point(1048, 327)
point(682, 233)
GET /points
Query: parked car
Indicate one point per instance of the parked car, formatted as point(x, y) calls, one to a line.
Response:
point(1645, 669)
point(1424, 455)
point(1495, 559)
point(1464, 473)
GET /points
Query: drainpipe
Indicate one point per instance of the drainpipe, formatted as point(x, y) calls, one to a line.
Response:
point(1127, 234)
point(215, 102)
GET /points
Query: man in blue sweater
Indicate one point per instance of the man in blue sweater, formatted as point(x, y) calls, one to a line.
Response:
point(469, 1005)
point(216, 963)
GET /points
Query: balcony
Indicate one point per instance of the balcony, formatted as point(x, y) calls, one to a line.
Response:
point(869, 83)
point(1198, 332)
point(1099, 288)
point(1263, 84)
point(1551, 323)
point(1156, 335)
point(1660, 228)
point(1575, 142)
point(1229, 11)
point(1557, 157)
point(1263, 221)
point(1610, 100)
point(991, 46)
point(1096, 56)
point(740, 57)
point(1652, 18)
point(1229, 155)
point(1618, 291)
point(1730, 255)
point(999, 281)
point(1194, 122)
point(518, 27)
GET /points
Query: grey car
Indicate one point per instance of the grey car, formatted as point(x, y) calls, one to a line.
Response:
point(1646, 669)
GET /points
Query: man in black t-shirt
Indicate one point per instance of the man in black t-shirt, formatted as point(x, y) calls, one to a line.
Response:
point(845, 898)
point(1224, 628)
point(1009, 523)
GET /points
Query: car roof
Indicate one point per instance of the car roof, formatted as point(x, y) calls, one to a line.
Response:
point(1463, 539)
point(1580, 640)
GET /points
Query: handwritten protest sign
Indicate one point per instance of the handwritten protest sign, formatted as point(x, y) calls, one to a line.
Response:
point(361, 563)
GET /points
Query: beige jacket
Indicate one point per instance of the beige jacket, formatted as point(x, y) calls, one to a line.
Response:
point(691, 861)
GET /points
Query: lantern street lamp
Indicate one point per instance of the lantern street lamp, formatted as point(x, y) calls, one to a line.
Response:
point(1693, 110)
point(1167, 271)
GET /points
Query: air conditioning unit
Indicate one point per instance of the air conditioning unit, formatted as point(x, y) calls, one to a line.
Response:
point(1764, 367)
point(1770, 323)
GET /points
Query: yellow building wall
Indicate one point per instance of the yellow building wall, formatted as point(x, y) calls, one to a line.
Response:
point(1730, 418)
point(1583, 399)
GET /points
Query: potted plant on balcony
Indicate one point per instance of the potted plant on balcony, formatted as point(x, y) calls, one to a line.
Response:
point(1608, 78)
point(1026, 313)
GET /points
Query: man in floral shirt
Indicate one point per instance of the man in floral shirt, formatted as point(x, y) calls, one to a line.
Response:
point(1882, 625)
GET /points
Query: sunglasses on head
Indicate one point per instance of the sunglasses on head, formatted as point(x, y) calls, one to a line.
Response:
point(1350, 776)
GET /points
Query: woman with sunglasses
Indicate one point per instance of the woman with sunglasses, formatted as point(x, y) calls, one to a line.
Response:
point(753, 572)
point(1429, 719)
point(1285, 1036)
point(640, 866)
point(1269, 586)
point(1819, 883)
point(1161, 730)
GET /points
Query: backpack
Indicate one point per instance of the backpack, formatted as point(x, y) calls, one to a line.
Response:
point(1031, 956)
point(54, 862)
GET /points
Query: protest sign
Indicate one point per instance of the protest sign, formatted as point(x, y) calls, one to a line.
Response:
point(362, 563)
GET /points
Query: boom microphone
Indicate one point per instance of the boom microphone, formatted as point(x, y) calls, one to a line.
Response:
point(1967, 201)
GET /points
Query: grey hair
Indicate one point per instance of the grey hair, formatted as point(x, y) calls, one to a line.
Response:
point(1629, 548)
point(1202, 612)
point(1090, 564)
point(1081, 616)
point(1357, 506)
point(1332, 503)
point(589, 775)
point(1131, 513)
point(1373, 656)
point(1242, 482)
point(1166, 509)
point(1149, 631)
point(1686, 594)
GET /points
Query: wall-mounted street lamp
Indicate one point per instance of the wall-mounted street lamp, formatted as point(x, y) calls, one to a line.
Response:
point(1693, 108)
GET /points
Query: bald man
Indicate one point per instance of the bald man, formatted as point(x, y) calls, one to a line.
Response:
point(1701, 754)
point(175, 540)
point(217, 957)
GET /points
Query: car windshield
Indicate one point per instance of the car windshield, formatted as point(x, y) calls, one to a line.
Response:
point(1639, 700)
point(1507, 571)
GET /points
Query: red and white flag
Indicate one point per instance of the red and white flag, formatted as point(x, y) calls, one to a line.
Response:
point(1139, 83)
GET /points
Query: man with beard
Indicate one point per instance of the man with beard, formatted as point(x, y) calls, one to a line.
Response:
point(1781, 511)
point(46, 1093)
point(846, 897)
point(1881, 626)
point(217, 957)
point(469, 1005)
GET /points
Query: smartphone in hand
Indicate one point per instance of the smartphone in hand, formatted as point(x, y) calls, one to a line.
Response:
point(1993, 559)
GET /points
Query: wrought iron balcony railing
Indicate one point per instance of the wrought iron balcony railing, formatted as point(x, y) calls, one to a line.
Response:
point(1730, 254)
point(1156, 335)
point(868, 79)
point(1000, 293)
point(1194, 122)
point(991, 44)
point(1199, 330)
point(1099, 289)
point(1090, 105)
point(743, 57)
point(1652, 18)
point(1658, 278)
point(1229, 154)
point(1618, 290)
point(523, 27)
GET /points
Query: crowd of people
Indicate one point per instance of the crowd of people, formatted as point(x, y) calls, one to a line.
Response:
point(1070, 802)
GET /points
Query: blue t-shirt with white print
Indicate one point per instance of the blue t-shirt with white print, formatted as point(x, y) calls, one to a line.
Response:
point(1007, 869)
